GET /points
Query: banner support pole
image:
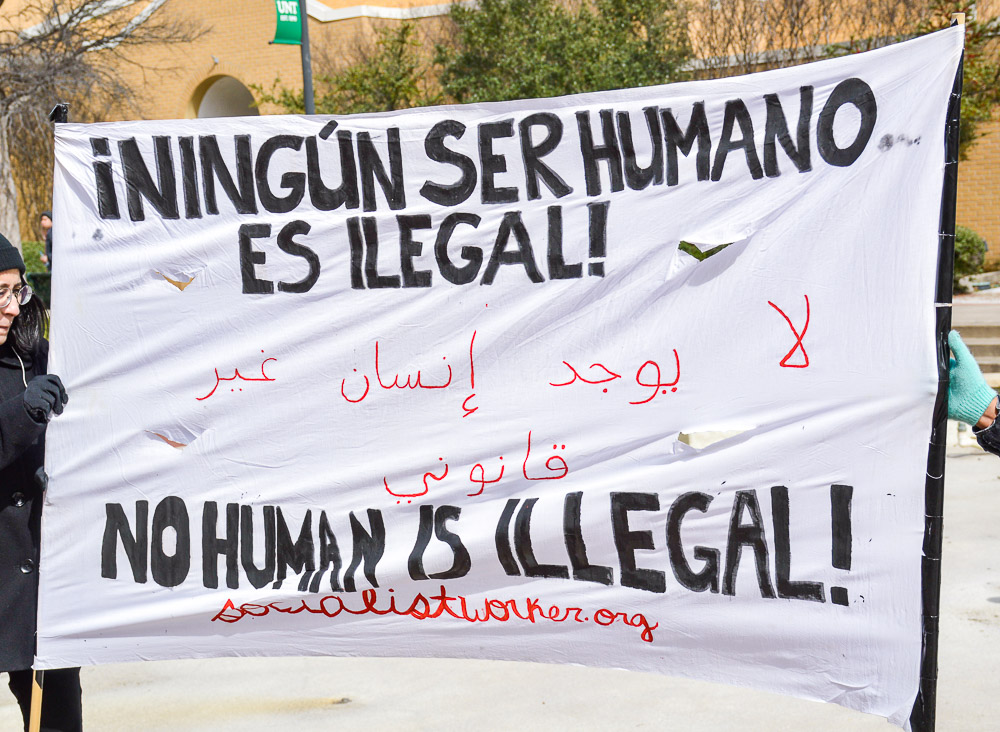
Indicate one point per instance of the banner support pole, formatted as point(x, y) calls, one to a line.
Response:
point(37, 686)
point(307, 74)
point(58, 115)
point(922, 718)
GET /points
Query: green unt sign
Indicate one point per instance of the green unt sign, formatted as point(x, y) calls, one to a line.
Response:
point(289, 27)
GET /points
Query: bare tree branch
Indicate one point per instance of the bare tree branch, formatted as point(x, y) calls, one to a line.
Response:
point(67, 50)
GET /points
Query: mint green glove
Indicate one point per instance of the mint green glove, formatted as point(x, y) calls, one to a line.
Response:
point(968, 393)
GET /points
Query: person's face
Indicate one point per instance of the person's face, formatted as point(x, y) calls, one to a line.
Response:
point(9, 279)
point(46, 223)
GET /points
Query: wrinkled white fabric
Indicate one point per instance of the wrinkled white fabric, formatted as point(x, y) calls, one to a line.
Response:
point(808, 341)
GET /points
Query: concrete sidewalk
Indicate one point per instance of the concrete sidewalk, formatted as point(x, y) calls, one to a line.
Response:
point(413, 694)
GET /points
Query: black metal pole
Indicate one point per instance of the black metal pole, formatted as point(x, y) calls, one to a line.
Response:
point(60, 113)
point(922, 718)
point(307, 74)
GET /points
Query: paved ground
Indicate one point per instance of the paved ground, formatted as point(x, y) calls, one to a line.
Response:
point(225, 695)
point(977, 308)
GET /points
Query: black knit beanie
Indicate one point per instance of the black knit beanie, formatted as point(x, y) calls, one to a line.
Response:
point(10, 258)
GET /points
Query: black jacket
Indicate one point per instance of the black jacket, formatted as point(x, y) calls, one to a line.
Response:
point(22, 451)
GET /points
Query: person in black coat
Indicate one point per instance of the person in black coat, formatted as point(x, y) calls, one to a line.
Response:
point(29, 397)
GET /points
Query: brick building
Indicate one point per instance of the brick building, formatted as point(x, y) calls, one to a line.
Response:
point(979, 191)
point(212, 76)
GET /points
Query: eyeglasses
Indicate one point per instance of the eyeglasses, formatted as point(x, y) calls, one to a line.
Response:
point(21, 294)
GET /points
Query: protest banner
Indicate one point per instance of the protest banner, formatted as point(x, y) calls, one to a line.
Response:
point(641, 379)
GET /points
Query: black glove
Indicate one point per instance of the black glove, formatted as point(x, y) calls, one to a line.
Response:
point(45, 394)
point(989, 437)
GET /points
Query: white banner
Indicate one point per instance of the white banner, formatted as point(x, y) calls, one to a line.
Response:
point(444, 382)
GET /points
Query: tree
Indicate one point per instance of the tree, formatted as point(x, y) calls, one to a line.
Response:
point(981, 68)
point(514, 49)
point(505, 49)
point(65, 50)
point(391, 73)
point(741, 36)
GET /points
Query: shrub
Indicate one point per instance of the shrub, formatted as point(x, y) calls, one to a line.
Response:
point(32, 251)
point(970, 252)
point(38, 277)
